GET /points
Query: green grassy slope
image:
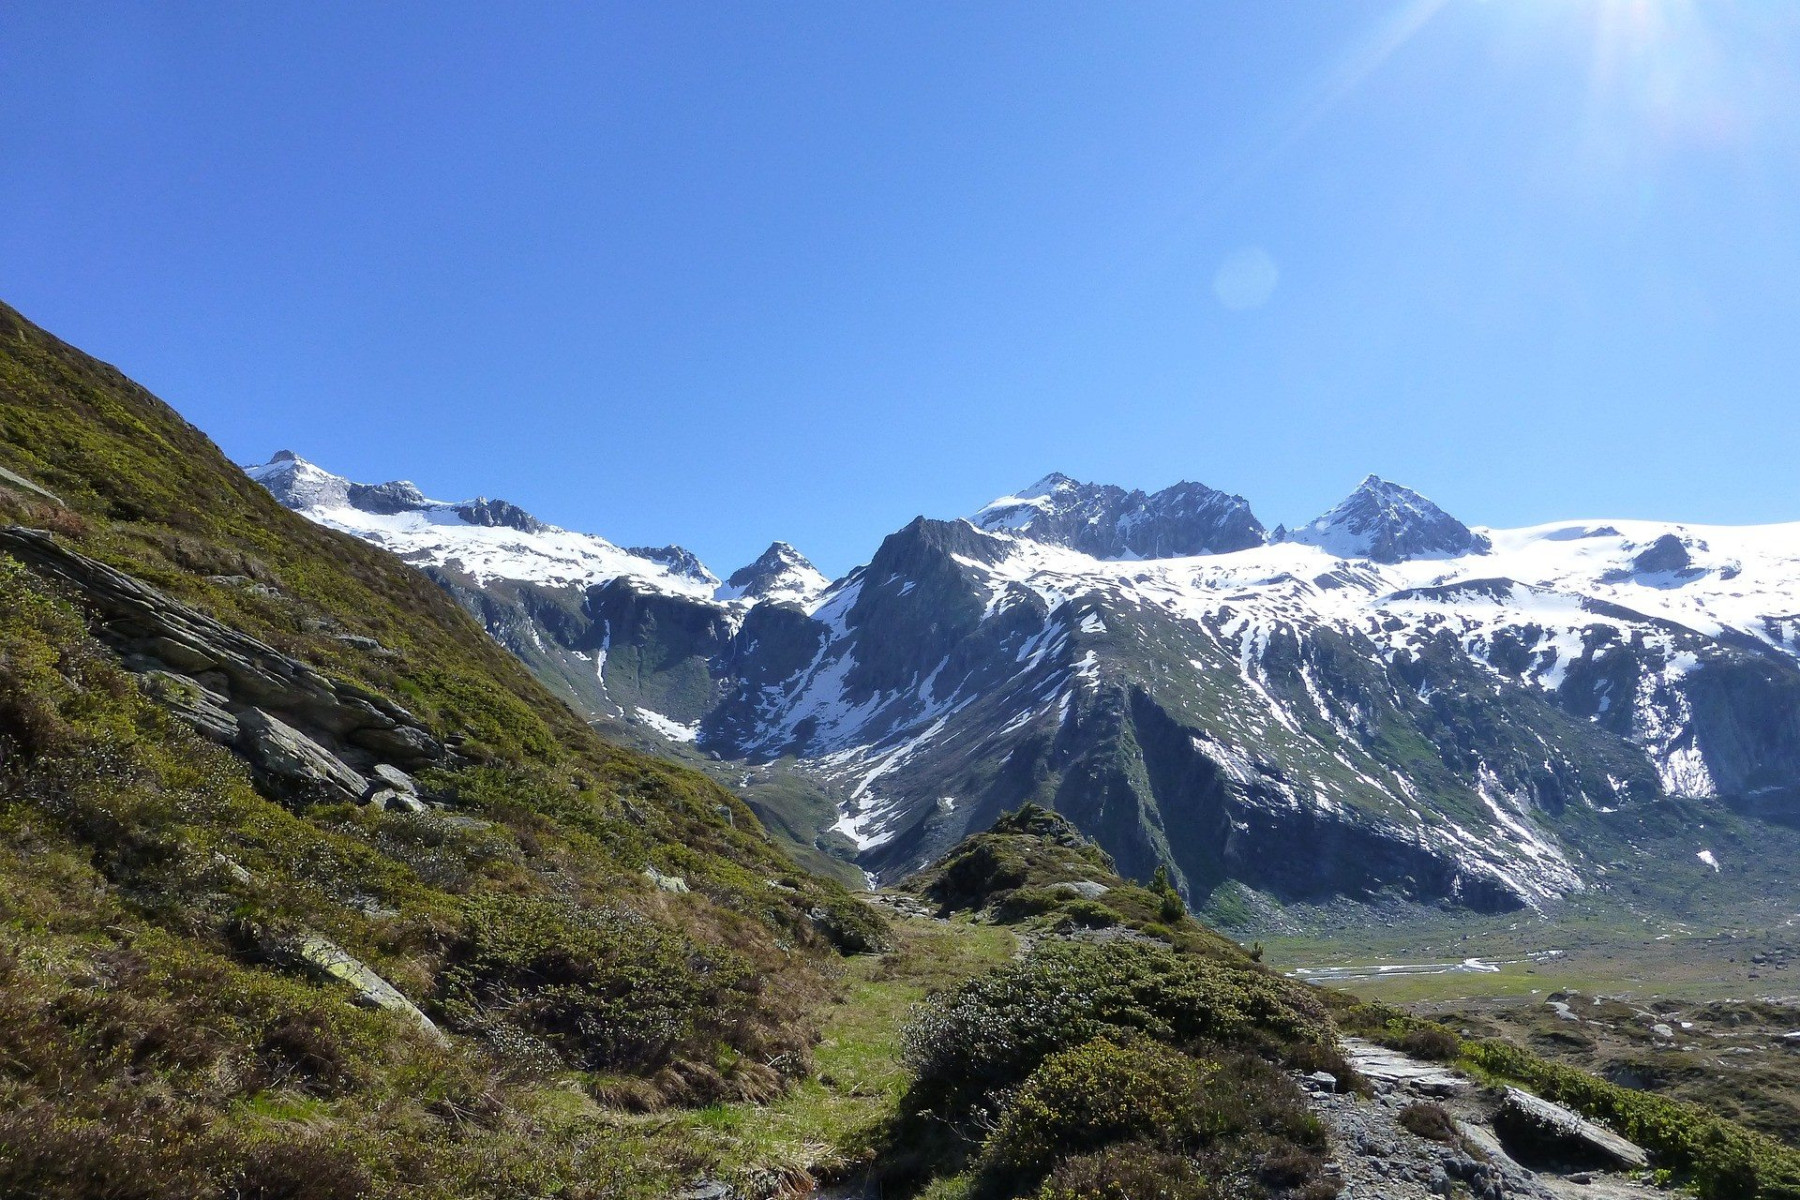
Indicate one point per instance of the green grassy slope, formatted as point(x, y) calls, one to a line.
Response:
point(158, 1035)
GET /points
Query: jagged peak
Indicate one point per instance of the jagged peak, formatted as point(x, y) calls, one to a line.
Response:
point(1389, 522)
point(780, 573)
point(1106, 521)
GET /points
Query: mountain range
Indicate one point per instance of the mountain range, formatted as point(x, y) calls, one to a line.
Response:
point(1384, 701)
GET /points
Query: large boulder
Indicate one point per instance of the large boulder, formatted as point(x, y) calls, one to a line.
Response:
point(1535, 1130)
point(295, 763)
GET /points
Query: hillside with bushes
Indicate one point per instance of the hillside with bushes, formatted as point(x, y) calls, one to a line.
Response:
point(307, 888)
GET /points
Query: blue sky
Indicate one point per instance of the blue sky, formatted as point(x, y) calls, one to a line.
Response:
point(722, 273)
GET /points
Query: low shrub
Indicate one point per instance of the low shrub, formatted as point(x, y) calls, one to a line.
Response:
point(1021, 904)
point(992, 1032)
point(1430, 1042)
point(1082, 1099)
point(1430, 1122)
point(851, 926)
point(1086, 914)
point(605, 987)
point(1127, 1171)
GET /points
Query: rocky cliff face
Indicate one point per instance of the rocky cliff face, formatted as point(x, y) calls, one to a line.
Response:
point(1108, 522)
point(1384, 702)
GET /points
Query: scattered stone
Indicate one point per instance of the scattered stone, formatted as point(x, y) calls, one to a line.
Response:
point(390, 800)
point(367, 644)
point(324, 957)
point(669, 883)
point(1665, 1032)
point(1539, 1128)
point(232, 868)
point(707, 1189)
point(1320, 1081)
point(1087, 889)
point(901, 904)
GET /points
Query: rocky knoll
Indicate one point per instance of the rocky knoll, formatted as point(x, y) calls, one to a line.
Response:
point(305, 736)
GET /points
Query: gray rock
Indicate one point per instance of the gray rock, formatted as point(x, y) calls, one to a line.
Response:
point(326, 958)
point(1085, 888)
point(201, 707)
point(391, 800)
point(1320, 1081)
point(232, 868)
point(295, 763)
point(368, 644)
point(18, 480)
point(395, 778)
point(401, 743)
point(1389, 1069)
point(1533, 1126)
point(154, 633)
point(1667, 553)
point(668, 883)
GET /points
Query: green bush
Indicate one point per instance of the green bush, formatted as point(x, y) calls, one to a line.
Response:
point(1127, 1171)
point(851, 926)
point(992, 1032)
point(1086, 914)
point(1082, 1099)
point(605, 987)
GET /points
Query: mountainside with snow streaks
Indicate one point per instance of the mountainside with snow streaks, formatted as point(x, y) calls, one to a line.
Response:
point(1385, 702)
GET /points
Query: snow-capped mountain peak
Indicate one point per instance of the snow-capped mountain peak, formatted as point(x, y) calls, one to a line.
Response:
point(1108, 522)
point(482, 539)
point(1389, 523)
point(781, 574)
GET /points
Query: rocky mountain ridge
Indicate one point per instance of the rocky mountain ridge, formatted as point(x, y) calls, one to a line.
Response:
point(1385, 700)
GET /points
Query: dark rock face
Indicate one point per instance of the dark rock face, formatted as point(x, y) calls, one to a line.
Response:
point(1389, 523)
point(499, 513)
point(1666, 554)
point(305, 736)
point(396, 496)
point(677, 558)
point(1109, 522)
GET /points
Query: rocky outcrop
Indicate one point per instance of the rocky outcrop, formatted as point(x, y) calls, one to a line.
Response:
point(1107, 521)
point(18, 480)
point(305, 736)
point(1535, 1129)
point(1378, 1150)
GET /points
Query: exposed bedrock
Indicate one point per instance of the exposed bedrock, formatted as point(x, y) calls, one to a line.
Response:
point(305, 736)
